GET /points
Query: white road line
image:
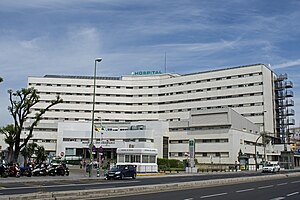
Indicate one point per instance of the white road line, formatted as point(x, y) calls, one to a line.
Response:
point(245, 190)
point(278, 198)
point(288, 195)
point(295, 182)
point(213, 195)
point(280, 184)
point(189, 199)
point(267, 186)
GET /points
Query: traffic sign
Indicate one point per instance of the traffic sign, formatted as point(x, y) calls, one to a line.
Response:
point(298, 150)
point(62, 154)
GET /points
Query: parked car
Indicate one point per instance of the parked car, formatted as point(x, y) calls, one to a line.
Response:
point(121, 171)
point(271, 167)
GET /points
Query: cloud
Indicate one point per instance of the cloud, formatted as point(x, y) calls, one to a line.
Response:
point(291, 63)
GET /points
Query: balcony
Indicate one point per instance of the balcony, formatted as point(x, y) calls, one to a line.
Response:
point(289, 102)
point(289, 93)
point(288, 84)
point(282, 77)
point(289, 121)
point(290, 112)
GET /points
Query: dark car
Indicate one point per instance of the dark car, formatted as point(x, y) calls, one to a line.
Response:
point(121, 171)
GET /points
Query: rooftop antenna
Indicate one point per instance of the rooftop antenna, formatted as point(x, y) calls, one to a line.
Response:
point(165, 62)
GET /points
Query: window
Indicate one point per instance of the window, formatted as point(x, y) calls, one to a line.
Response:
point(145, 159)
point(152, 159)
point(121, 158)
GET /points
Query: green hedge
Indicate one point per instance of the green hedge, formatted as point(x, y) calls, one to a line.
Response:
point(167, 164)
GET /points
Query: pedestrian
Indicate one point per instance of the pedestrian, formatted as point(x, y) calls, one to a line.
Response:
point(108, 165)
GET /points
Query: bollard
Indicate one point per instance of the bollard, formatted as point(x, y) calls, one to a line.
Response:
point(98, 172)
point(104, 173)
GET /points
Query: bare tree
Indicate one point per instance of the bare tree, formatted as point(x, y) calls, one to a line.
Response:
point(21, 103)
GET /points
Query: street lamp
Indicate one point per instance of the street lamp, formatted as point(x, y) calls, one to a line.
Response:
point(93, 115)
point(264, 138)
point(256, 152)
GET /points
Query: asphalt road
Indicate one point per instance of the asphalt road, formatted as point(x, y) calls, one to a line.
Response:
point(287, 188)
point(26, 185)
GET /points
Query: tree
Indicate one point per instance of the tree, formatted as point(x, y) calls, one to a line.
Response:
point(41, 155)
point(10, 137)
point(28, 151)
point(21, 103)
point(1, 79)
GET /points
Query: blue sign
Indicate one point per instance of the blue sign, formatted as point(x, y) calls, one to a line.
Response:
point(299, 151)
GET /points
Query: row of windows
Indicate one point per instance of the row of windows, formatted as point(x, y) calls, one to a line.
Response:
point(109, 140)
point(155, 95)
point(201, 154)
point(224, 140)
point(40, 141)
point(136, 158)
point(198, 128)
point(122, 120)
point(162, 111)
point(145, 87)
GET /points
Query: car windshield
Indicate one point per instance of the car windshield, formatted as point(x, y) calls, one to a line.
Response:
point(270, 165)
point(117, 167)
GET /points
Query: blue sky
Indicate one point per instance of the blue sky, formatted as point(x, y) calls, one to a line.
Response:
point(39, 37)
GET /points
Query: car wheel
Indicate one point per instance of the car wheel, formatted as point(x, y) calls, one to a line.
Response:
point(134, 176)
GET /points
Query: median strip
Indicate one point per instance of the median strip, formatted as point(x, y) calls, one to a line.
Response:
point(144, 189)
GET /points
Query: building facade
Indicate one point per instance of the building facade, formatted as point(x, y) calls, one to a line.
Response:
point(248, 90)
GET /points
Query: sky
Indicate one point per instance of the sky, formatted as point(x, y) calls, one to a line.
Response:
point(63, 37)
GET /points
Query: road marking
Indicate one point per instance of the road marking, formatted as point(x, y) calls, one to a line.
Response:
point(267, 186)
point(280, 184)
point(296, 182)
point(213, 195)
point(189, 199)
point(288, 195)
point(245, 190)
point(278, 198)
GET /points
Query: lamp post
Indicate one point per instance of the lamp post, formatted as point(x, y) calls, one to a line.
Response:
point(264, 136)
point(93, 116)
point(256, 152)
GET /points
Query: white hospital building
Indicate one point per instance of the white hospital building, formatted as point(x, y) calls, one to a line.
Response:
point(224, 111)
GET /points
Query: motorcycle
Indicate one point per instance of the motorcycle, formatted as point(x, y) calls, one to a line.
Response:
point(4, 172)
point(14, 171)
point(40, 170)
point(52, 170)
point(58, 169)
point(26, 171)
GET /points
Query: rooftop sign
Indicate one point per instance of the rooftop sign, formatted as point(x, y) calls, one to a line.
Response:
point(146, 73)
